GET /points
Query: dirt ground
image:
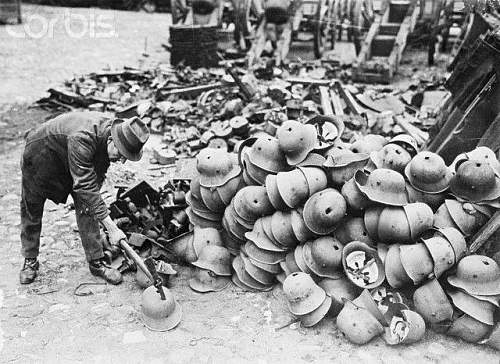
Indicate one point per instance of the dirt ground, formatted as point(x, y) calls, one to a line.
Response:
point(46, 322)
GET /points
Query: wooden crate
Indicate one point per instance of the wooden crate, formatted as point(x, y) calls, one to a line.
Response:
point(10, 11)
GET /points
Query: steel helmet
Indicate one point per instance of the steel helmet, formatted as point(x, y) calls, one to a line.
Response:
point(266, 154)
point(261, 239)
point(407, 329)
point(292, 187)
point(394, 270)
point(228, 190)
point(313, 160)
point(273, 193)
point(393, 225)
point(362, 265)
point(238, 283)
point(216, 259)
point(434, 200)
point(417, 262)
point(369, 143)
point(355, 199)
point(342, 167)
point(391, 156)
point(239, 125)
point(248, 180)
point(160, 314)
point(312, 318)
point(467, 216)
point(196, 219)
point(300, 230)
point(263, 256)
point(420, 218)
point(339, 288)
point(406, 141)
point(329, 129)
point(442, 254)
point(371, 219)
point(494, 338)
point(271, 268)
point(194, 187)
point(442, 217)
point(245, 278)
point(216, 167)
point(353, 228)
point(302, 294)
point(475, 181)
point(365, 300)
point(482, 311)
point(260, 275)
point(290, 262)
point(469, 329)
point(456, 240)
point(315, 178)
point(358, 324)
point(212, 200)
point(282, 230)
point(252, 202)
point(296, 140)
point(266, 222)
point(256, 173)
point(298, 256)
point(231, 242)
point(427, 172)
point(203, 237)
point(323, 210)
point(432, 303)
point(384, 186)
point(477, 274)
point(483, 154)
point(204, 280)
point(232, 225)
point(323, 256)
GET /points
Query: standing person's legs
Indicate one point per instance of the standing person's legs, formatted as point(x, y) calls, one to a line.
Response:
point(90, 233)
point(31, 227)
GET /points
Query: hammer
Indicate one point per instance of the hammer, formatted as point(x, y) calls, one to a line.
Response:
point(136, 258)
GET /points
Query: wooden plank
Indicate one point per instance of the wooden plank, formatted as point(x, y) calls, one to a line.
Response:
point(326, 103)
point(337, 104)
point(482, 236)
point(356, 109)
point(308, 81)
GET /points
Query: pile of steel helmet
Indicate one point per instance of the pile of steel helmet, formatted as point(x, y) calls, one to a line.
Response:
point(346, 227)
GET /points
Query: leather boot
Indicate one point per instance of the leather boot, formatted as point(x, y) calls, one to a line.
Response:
point(29, 271)
point(100, 269)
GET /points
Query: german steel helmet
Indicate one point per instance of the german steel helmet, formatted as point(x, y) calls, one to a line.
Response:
point(369, 143)
point(302, 293)
point(442, 254)
point(432, 303)
point(482, 311)
point(339, 288)
point(323, 210)
point(420, 218)
point(315, 178)
point(417, 262)
point(273, 193)
point(468, 217)
point(407, 142)
point(312, 318)
point(216, 167)
point(282, 230)
point(204, 280)
point(160, 314)
point(393, 225)
point(265, 153)
point(394, 270)
point(358, 324)
point(384, 186)
point(292, 187)
point(427, 172)
point(475, 181)
point(477, 274)
point(216, 259)
point(342, 167)
point(483, 154)
point(391, 156)
point(456, 240)
point(353, 228)
point(229, 189)
point(355, 199)
point(211, 199)
point(296, 140)
point(469, 329)
point(245, 278)
point(252, 202)
point(329, 129)
point(323, 256)
point(263, 256)
point(300, 230)
point(255, 172)
point(259, 237)
point(371, 219)
point(260, 275)
point(362, 265)
point(366, 300)
point(201, 238)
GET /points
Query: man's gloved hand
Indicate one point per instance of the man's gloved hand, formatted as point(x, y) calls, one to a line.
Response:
point(114, 232)
point(115, 236)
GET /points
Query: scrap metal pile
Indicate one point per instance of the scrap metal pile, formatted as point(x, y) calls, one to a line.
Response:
point(372, 232)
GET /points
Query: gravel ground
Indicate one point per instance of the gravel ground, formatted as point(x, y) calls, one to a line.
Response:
point(46, 323)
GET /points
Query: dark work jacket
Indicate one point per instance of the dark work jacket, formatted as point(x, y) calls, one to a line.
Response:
point(68, 154)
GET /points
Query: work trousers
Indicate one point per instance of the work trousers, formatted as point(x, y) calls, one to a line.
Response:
point(31, 227)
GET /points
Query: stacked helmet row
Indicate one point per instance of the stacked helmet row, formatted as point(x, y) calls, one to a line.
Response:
point(344, 226)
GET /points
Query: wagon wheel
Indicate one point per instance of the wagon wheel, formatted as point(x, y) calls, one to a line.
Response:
point(321, 29)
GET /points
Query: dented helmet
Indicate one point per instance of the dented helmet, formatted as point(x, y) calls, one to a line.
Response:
point(323, 256)
point(274, 194)
point(323, 210)
point(215, 167)
point(342, 167)
point(477, 274)
point(204, 280)
point(292, 187)
point(475, 181)
point(369, 143)
point(266, 154)
point(407, 142)
point(384, 186)
point(302, 293)
point(160, 314)
point(296, 140)
point(252, 202)
point(391, 156)
point(358, 324)
point(431, 302)
point(427, 172)
point(351, 229)
point(216, 259)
